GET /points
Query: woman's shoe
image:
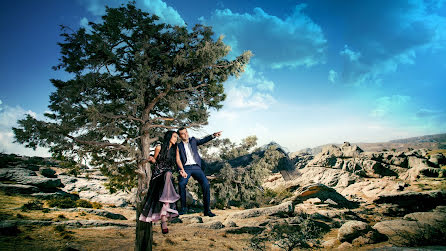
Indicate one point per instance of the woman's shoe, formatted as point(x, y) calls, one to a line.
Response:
point(164, 228)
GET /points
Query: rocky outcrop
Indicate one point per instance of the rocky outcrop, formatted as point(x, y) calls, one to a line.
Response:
point(92, 188)
point(27, 177)
point(409, 165)
point(414, 201)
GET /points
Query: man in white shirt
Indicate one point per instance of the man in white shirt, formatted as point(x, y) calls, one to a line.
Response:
point(189, 162)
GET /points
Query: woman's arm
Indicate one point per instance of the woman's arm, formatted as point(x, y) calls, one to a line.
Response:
point(157, 152)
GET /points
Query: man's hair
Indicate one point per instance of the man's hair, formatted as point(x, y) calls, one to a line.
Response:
point(181, 128)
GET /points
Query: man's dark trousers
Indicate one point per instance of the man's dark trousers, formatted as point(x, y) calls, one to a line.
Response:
point(198, 174)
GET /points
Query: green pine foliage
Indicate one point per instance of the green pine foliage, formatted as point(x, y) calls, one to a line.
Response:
point(242, 185)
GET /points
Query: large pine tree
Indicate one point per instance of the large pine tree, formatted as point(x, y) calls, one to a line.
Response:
point(132, 77)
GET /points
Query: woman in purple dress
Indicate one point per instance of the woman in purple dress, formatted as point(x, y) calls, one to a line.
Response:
point(161, 197)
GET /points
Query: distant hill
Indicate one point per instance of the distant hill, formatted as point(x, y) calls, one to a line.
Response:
point(436, 138)
point(436, 141)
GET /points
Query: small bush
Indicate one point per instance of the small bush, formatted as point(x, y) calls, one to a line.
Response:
point(59, 228)
point(288, 236)
point(32, 205)
point(96, 205)
point(62, 202)
point(61, 216)
point(84, 203)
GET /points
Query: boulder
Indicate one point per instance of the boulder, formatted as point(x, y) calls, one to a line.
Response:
point(191, 219)
point(351, 230)
point(210, 225)
point(48, 172)
point(411, 233)
point(417, 166)
point(345, 245)
point(350, 151)
point(437, 159)
point(330, 243)
point(105, 213)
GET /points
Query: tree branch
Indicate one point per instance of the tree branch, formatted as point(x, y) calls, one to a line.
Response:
point(129, 117)
point(191, 88)
point(98, 144)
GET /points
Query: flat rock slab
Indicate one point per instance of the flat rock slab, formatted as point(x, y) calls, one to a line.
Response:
point(18, 188)
point(284, 208)
point(70, 223)
point(99, 212)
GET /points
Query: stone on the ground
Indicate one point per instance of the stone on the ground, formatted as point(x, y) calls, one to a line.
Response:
point(48, 172)
point(191, 219)
point(351, 230)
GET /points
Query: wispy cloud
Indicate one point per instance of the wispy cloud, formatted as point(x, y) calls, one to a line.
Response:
point(388, 104)
point(166, 13)
point(276, 42)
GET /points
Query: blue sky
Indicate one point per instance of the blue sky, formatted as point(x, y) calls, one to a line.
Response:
point(322, 71)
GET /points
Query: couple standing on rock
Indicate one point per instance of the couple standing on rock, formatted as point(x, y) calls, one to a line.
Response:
point(159, 203)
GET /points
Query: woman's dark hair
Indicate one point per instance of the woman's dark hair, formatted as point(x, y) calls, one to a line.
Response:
point(165, 154)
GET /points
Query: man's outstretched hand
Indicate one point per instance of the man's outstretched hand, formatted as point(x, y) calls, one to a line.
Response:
point(217, 134)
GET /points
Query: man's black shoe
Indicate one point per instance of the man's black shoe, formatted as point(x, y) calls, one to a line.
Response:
point(210, 214)
point(183, 211)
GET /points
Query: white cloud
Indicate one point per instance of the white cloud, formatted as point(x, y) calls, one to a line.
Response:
point(387, 36)
point(252, 91)
point(166, 13)
point(8, 119)
point(276, 42)
point(332, 76)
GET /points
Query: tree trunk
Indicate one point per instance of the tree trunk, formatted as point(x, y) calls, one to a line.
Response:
point(144, 236)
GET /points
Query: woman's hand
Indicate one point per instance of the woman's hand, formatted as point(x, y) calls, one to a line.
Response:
point(151, 159)
point(183, 173)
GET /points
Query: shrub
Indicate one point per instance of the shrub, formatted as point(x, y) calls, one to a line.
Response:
point(62, 202)
point(84, 203)
point(289, 237)
point(32, 205)
point(96, 205)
